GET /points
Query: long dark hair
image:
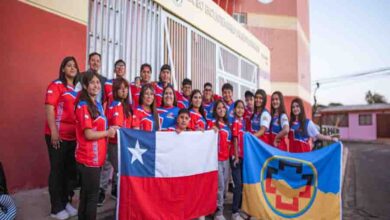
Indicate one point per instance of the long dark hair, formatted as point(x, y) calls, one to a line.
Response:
point(282, 108)
point(61, 74)
point(174, 95)
point(215, 114)
point(301, 117)
point(201, 109)
point(116, 85)
point(84, 96)
point(152, 106)
point(236, 104)
point(264, 103)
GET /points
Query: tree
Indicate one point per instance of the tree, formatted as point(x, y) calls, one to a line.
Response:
point(373, 98)
point(335, 104)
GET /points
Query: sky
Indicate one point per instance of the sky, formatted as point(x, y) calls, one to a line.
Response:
point(348, 37)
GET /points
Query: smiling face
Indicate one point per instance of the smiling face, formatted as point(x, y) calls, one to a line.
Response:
point(168, 97)
point(296, 109)
point(259, 100)
point(250, 102)
point(196, 100)
point(148, 97)
point(93, 87)
point(70, 69)
point(275, 101)
point(94, 63)
point(208, 93)
point(239, 109)
point(146, 74)
point(120, 69)
point(165, 76)
point(221, 110)
point(123, 91)
point(227, 95)
point(182, 121)
point(187, 89)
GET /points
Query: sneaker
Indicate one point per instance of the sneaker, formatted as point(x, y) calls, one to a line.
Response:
point(237, 216)
point(70, 210)
point(102, 197)
point(62, 215)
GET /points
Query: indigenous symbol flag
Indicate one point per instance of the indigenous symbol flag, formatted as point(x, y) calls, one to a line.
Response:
point(283, 185)
point(165, 175)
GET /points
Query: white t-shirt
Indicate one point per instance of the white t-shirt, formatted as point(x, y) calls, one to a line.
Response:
point(312, 130)
point(265, 119)
point(283, 120)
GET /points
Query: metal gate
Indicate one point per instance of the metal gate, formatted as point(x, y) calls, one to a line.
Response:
point(140, 31)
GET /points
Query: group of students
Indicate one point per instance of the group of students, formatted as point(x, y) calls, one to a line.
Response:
point(84, 110)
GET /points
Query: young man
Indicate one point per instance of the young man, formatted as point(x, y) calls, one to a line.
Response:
point(208, 100)
point(184, 96)
point(227, 98)
point(120, 71)
point(94, 62)
point(250, 103)
point(145, 72)
point(164, 79)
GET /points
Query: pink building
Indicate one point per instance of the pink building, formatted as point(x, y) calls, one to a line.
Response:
point(358, 122)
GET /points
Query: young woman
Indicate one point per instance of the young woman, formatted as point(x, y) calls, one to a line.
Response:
point(279, 122)
point(303, 129)
point(60, 135)
point(146, 116)
point(118, 114)
point(260, 121)
point(221, 122)
point(237, 154)
point(198, 120)
point(91, 133)
point(168, 110)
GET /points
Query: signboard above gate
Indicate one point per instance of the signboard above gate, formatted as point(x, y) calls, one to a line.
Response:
point(208, 17)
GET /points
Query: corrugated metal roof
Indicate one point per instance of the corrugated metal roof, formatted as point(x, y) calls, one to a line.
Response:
point(351, 108)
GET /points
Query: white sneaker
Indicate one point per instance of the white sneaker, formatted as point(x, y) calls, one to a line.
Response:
point(70, 210)
point(62, 215)
point(219, 217)
point(237, 216)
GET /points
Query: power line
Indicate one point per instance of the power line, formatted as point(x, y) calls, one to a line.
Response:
point(376, 72)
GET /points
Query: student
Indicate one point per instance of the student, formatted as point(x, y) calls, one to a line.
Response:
point(120, 114)
point(236, 156)
point(145, 72)
point(94, 62)
point(227, 97)
point(60, 136)
point(198, 120)
point(91, 148)
point(250, 104)
point(303, 129)
point(279, 122)
point(164, 79)
point(182, 121)
point(146, 116)
point(221, 122)
point(168, 110)
point(120, 71)
point(208, 100)
point(261, 119)
point(184, 96)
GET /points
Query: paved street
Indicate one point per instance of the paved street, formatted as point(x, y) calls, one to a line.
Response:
point(366, 190)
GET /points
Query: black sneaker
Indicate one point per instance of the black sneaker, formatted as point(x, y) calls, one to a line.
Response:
point(114, 192)
point(102, 197)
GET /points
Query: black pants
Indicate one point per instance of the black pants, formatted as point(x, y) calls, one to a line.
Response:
point(63, 173)
point(237, 189)
point(90, 181)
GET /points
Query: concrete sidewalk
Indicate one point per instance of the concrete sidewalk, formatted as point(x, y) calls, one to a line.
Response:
point(35, 204)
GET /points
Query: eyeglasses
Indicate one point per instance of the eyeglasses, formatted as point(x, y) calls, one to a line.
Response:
point(208, 90)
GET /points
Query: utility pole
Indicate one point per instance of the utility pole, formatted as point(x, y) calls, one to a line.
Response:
point(315, 99)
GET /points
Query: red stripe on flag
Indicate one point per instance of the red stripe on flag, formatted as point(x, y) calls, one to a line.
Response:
point(168, 198)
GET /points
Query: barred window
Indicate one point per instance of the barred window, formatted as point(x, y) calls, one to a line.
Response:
point(365, 119)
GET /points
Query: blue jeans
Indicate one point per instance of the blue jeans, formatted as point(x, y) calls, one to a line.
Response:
point(237, 189)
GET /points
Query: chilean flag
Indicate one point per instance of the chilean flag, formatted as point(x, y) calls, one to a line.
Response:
point(165, 175)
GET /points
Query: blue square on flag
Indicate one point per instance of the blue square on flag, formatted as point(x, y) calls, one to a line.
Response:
point(138, 153)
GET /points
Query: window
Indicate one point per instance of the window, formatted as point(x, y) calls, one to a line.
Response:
point(365, 119)
point(338, 120)
point(240, 18)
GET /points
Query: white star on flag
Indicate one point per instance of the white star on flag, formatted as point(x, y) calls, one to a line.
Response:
point(136, 153)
